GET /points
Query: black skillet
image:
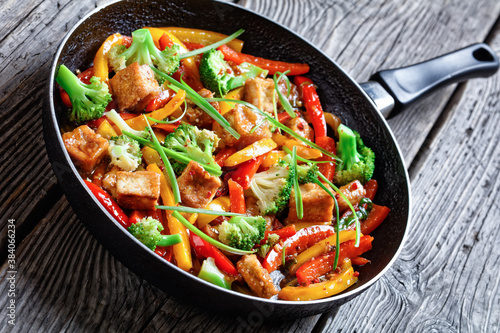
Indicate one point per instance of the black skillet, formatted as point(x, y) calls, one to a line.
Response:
point(339, 94)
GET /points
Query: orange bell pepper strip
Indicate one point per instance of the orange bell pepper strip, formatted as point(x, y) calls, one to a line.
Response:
point(223, 154)
point(169, 128)
point(205, 37)
point(182, 251)
point(304, 152)
point(376, 216)
point(337, 284)
point(272, 158)
point(246, 154)
point(160, 100)
point(236, 197)
point(272, 66)
point(101, 62)
point(321, 265)
point(139, 123)
point(221, 204)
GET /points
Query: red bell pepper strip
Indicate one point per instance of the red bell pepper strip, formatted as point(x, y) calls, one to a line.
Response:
point(188, 77)
point(169, 128)
point(160, 100)
point(327, 169)
point(321, 265)
point(165, 42)
point(203, 249)
point(236, 197)
point(127, 41)
point(359, 261)
point(85, 77)
point(109, 203)
point(297, 243)
point(223, 154)
point(283, 233)
point(371, 187)
point(244, 173)
point(272, 66)
point(193, 46)
point(313, 105)
point(376, 216)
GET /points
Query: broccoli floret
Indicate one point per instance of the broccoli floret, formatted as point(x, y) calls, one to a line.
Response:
point(242, 232)
point(218, 76)
point(144, 51)
point(148, 231)
point(358, 161)
point(88, 100)
point(194, 144)
point(272, 187)
point(307, 173)
point(123, 126)
point(272, 239)
point(125, 152)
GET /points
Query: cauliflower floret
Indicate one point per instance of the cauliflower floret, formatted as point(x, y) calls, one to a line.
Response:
point(125, 152)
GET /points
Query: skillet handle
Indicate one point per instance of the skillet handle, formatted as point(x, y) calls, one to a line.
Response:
point(407, 85)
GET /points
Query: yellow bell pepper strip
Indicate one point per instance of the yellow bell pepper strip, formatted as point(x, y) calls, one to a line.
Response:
point(272, 158)
point(320, 248)
point(139, 123)
point(304, 152)
point(255, 149)
point(205, 37)
point(280, 139)
point(337, 284)
point(225, 107)
point(101, 58)
point(218, 204)
point(182, 251)
point(106, 130)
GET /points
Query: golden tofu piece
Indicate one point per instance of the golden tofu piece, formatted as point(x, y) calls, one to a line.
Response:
point(256, 276)
point(134, 87)
point(137, 190)
point(85, 147)
point(317, 204)
point(197, 186)
point(259, 92)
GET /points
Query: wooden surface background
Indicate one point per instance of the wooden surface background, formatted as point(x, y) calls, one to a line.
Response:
point(447, 277)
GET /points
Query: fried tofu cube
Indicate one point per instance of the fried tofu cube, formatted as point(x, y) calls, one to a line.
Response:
point(197, 186)
point(196, 115)
point(242, 119)
point(137, 190)
point(256, 276)
point(134, 87)
point(85, 147)
point(317, 204)
point(259, 92)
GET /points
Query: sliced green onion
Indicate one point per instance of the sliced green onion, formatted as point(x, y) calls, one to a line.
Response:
point(258, 125)
point(283, 254)
point(172, 154)
point(275, 110)
point(185, 209)
point(356, 219)
point(284, 101)
point(212, 46)
point(277, 124)
point(166, 163)
point(117, 151)
point(298, 196)
point(207, 238)
point(200, 101)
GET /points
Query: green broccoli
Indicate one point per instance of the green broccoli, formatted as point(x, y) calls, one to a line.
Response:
point(219, 77)
point(144, 51)
point(242, 232)
point(88, 100)
point(358, 161)
point(307, 172)
point(148, 231)
point(125, 152)
point(193, 144)
point(272, 239)
point(272, 187)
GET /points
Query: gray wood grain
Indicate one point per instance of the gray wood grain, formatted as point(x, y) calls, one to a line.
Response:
point(67, 281)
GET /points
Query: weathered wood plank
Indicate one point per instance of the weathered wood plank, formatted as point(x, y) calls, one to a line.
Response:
point(446, 279)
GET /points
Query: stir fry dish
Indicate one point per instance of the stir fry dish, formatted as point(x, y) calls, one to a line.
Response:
point(223, 163)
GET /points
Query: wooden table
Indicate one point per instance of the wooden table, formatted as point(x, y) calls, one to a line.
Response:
point(447, 277)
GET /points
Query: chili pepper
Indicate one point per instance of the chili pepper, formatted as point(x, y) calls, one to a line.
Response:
point(236, 197)
point(210, 273)
point(203, 37)
point(313, 105)
point(321, 265)
point(244, 174)
point(337, 284)
point(327, 169)
point(160, 100)
point(255, 149)
point(371, 187)
point(223, 154)
point(272, 66)
point(109, 203)
point(376, 216)
point(85, 77)
point(165, 42)
point(203, 249)
point(297, 243)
